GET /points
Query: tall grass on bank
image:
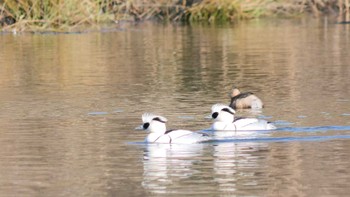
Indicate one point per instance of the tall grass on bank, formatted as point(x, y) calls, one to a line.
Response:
point(227, 10)
point(66, 15)
point(53, 14)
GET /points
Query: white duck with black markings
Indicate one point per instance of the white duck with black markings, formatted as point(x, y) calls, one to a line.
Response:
point(156, 125)
point(224, 119)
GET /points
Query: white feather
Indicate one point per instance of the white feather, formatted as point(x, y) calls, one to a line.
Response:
point(225, 121)
point(148, 117)
point(219, 106)
point(159, 134)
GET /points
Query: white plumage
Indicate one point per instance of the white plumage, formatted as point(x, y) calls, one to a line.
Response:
point(148, 117)
point(218, 107)
point(224, 119)
point(156, 125)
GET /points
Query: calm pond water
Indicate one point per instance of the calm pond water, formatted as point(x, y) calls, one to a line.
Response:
point(69, 104)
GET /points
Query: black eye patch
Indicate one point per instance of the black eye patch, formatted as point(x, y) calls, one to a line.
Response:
point(158, 119)
point(227, 110)
point(214, 115)
point(146, 125)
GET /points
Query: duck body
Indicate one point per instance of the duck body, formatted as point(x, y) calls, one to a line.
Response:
point(158, 134)
point(177, 137)
point(244, 100)
point(244, 124)
point(224, 119)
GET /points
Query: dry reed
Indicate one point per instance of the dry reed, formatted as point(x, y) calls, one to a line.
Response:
point(67, 15)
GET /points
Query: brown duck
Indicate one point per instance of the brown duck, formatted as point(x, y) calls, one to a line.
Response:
point(244, 100)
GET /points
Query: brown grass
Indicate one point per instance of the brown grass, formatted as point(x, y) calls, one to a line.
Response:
point(64, 15)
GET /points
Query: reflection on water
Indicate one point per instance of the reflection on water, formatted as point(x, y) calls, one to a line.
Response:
point(165, 165)
point(168, 167)
point(69, 103)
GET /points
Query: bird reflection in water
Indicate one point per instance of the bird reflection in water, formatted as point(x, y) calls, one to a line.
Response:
point(166, 164)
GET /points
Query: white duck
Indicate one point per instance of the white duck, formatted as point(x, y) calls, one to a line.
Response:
point(224, 118)
point(158, 134)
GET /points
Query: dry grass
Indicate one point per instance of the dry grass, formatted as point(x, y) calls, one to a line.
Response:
point(67, 15)
point(227, 10)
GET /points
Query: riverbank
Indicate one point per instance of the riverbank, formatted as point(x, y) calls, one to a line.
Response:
point(56, 15)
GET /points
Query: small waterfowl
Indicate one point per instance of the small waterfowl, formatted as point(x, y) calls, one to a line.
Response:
point(156, 125)
point(244, 100)
point(224, 119)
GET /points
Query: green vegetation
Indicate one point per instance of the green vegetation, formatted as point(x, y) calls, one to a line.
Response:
point(68, 15)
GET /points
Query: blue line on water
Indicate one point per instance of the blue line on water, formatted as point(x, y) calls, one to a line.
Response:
point(314, 129)
point(269, 139)
point(257, 138)
point(283, 139)
point(98, 113)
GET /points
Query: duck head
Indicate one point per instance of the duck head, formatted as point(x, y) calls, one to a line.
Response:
point(222, 113)
point(154, 123)
point(234, 92)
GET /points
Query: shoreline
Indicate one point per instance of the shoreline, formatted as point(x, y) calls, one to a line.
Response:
point(34, 16)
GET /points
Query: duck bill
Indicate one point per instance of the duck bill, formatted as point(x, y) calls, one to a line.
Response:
point(208, 117)
point(139, 128)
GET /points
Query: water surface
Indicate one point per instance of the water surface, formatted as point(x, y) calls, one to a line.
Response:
point(69, 104)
